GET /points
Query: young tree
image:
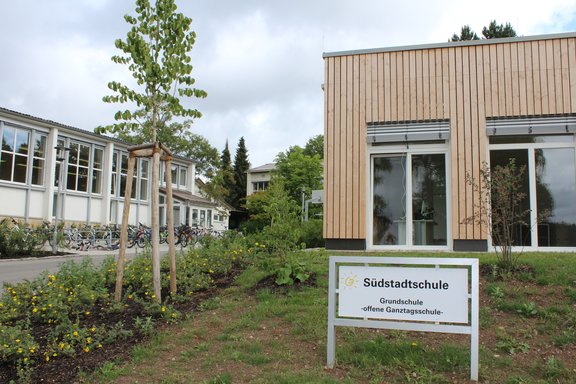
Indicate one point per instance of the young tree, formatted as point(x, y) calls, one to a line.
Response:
point(500, 208)
point(178, 137)
point(241, 166)
point(157, 53)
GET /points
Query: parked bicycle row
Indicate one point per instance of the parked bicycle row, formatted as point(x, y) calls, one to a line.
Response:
point(106, 237)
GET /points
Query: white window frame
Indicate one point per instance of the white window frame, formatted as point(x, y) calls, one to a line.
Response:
point(531, 171)
point(410, 149)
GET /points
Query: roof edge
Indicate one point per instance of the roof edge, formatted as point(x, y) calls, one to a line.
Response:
point(450, 44)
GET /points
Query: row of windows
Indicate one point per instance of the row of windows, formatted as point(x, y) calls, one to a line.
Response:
point(23, 160)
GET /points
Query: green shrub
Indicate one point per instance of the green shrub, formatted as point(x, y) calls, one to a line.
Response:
point(311, 233)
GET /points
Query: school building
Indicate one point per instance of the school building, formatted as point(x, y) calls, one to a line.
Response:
point(92, 181)
point(407, 127)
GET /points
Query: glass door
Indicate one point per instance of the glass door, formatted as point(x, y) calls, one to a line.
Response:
point(409, 200)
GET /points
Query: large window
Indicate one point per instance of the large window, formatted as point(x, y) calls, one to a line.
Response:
point(23, 156)
point(84, 168)
point(120, 173)
point(14, 157)
point(409, 200)
point(549, 186)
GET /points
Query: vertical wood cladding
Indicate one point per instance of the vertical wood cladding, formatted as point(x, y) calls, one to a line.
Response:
point(463, 83)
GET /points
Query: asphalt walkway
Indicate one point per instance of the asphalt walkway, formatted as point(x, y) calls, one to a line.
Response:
point(16, 270)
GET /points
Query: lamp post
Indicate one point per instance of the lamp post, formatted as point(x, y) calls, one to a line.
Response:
point(60, 157)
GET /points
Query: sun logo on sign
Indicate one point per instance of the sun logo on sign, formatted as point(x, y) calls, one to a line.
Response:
point(349, 281)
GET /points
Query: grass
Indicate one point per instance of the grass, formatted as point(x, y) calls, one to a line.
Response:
point(528, 335)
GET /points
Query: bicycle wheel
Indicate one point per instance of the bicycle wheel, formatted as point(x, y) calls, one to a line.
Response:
point(183, 240)
point(141, 241)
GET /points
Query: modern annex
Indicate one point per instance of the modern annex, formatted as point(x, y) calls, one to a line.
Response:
point(407, 129)
point(93, 178)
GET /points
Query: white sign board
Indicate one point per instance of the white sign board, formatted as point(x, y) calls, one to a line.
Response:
point(398, 293)
point(404, 293)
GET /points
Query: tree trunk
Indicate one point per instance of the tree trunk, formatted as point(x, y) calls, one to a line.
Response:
point(170, 223)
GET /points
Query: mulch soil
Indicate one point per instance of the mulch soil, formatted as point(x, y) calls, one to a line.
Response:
point(65, 369)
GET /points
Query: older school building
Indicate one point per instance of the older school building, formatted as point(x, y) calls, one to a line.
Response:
point(92, 181)
point(406, 126)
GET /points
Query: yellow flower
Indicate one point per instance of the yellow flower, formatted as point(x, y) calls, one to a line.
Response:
point(17, 340)
point(87, 312)
point(163, 309)
point(86, 349)
point(35, 310)
point(88, 340)
point(75, 333)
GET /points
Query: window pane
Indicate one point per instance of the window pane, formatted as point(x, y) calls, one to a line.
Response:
point(96, 181)
point(22, 141)
point(40, 146)
point(38, 172)
point(389, 204)
point(521, 234)
point(182, 180)
point(113, 186)
point(202, 218)
point(429, 200)
point(6, 166)
point(98, 158)
point(124, 164)
point(57, 174)
point(555, 196)
point(82, 179)
point(122, 185)
point(143, 189)
point(71, 179)
point(194, 217)
point(20, 168)
point(174, 174)
point(73, 154)
point(115, 162)
point(8, 134)
point(84, 155)
point(144, 169)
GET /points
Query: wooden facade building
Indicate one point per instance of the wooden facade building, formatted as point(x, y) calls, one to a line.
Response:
point(405, 126)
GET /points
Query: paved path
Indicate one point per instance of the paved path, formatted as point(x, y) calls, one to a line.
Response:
point(16, 270)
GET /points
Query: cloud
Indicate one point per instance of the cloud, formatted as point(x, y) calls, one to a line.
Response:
point(260, 61)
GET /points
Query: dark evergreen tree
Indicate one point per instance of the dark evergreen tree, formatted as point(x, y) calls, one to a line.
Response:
point(466, 33)
point(494, 31)
point(227, 174)
point(241, 166)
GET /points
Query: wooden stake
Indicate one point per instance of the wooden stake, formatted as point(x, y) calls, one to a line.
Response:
point(124, 230)
point(170, 223)
point(155, 223)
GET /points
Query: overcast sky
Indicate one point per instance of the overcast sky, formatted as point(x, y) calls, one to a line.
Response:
point(259, 60)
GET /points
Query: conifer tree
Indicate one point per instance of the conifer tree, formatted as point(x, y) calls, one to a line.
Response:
point(241, 167)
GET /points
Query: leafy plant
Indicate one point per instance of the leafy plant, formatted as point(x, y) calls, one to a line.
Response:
point(145, 325)
point(512, 346)
point(293, 271)
point(528, 309)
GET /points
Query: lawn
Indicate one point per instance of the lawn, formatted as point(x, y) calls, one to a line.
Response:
point(257, 332)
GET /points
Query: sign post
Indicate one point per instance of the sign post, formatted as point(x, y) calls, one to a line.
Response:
point(410, 294)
